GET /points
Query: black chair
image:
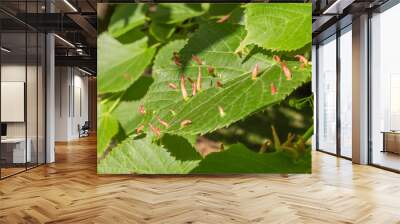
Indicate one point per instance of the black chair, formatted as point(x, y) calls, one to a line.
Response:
point(84, 130)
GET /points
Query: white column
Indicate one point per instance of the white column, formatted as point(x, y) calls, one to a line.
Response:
point(360, 90)
point(50, 93)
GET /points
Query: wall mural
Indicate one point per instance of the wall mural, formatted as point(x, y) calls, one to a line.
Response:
point(204, 88)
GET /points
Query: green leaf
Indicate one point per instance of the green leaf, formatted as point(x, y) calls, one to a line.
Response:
point(141, 156)
point(164, 72)
point(280, 27)
point(222, 9)
point(234, 11)
point(180, 148)
point(127, 110)
point(162, 32)
point(131, 36)
point(240, 95)
point(214, 44)
point(238, 159)
point(238, 99)
point(120, 65)
point(126, 17)
point(108, 127)
point(170, 13)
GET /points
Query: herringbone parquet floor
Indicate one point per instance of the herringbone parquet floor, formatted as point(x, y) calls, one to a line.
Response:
point(69, 191)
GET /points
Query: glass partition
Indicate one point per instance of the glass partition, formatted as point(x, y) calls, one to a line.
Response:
point(385, 89)
point(327, 95)
point(13, 94)
point(22, 101)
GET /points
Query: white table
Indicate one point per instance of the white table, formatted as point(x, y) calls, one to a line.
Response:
point(19, 153)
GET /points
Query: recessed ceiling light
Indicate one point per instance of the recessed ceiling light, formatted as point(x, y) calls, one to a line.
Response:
point(64, 40)
point(84, 71)
point(5, 50)
point(337, 7)
point(70, 5)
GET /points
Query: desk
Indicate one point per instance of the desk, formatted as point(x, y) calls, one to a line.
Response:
point(18, 149)
point(391, 141)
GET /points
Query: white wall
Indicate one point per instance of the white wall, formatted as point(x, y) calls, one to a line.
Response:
point(71, 94)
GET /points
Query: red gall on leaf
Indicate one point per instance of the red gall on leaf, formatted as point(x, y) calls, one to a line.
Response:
point(172, 86)
point(303, 60)
point(255, 72)
point(273, 89)
point(219, 84)
point(139, 129)
point(224, 18)
point(141, 109)
point(221, 111)
point(197, 59)
point(193, 89)
point(198, 85)
point(155, 130)
point(210, 70)
point(183, 88)
point(185, 123)
point(277, 58)
point(165, 124)
point(286, 71)
point(177, 59)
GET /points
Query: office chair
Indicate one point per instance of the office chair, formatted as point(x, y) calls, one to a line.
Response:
point(84, 130)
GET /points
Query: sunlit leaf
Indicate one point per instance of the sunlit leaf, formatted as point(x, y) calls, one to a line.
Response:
point(144, 157)
point(240, 95)
point(281, 27)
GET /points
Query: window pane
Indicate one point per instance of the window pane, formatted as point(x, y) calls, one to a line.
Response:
point(327, 96)
point(385, 84)
point(346, 93)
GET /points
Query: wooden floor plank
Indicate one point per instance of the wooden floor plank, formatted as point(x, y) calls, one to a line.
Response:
point(70, 191)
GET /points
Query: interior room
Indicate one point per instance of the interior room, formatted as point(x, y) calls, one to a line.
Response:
point(48, 84)
point(335, 82)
